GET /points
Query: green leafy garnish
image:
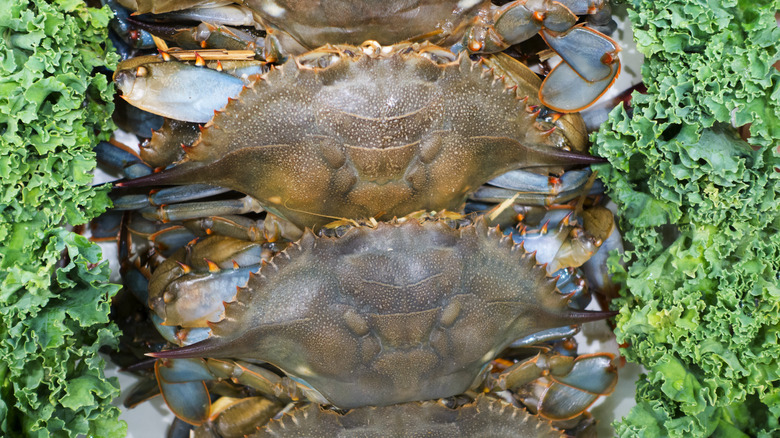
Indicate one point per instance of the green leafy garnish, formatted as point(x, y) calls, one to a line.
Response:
point(54, 296)
point(700, 212)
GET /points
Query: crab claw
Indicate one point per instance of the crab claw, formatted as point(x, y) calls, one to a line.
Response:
point(559, 387)
point(590, 66)
point(569, 395)
point(179, 90)
point(182, 387)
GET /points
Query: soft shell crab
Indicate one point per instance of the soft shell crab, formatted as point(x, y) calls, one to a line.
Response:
point(392, 130)
point(361, 132)
point(346, 322)
point(293, 27)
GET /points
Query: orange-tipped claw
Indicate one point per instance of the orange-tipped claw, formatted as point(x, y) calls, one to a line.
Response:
point(566, 91)
point(584, 49)
point(188, 400)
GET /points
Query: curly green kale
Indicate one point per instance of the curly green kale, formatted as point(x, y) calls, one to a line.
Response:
point(54, 299)
point(700, 212)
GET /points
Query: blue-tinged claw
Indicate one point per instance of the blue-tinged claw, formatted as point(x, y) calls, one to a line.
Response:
point(188, 400)
point(513, 23)
point(560, 387)
point(176, 89)
point(591, 373)
point(591, 54)
point(566, 91)
point(572, 393)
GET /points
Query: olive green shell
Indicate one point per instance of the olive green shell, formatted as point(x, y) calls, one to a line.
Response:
point(485, 417)
point(377, 136)
point(401, 312)
point(312, 23)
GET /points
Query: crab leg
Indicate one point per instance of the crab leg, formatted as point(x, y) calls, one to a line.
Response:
point(199, 209)
point(235, 226)
point(136, 121)
point(204, 35)
point(518, 21)
point(534, 189)
point(546, 336)
point(167, 196)
point(596, 269)
point(592, 55)
point(532, 182)
point(121, 160)
point(558, 94)
point(560, 242)
point(182, 387)
point(189, 288)
point(125, 28)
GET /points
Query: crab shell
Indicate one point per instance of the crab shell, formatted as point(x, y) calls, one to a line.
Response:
point(401, 312)
point(314, 23)
point(306, 24)
point(485, 415)
point(376, 134)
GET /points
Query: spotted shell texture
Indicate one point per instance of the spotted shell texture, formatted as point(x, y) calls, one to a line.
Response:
point(484, 417)
point(378, 136)
point(401, 312)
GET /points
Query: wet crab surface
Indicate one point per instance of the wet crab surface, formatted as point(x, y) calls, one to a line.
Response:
point(371, 132)
point(293, 27)
point(341, 342)
point(487, 76)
